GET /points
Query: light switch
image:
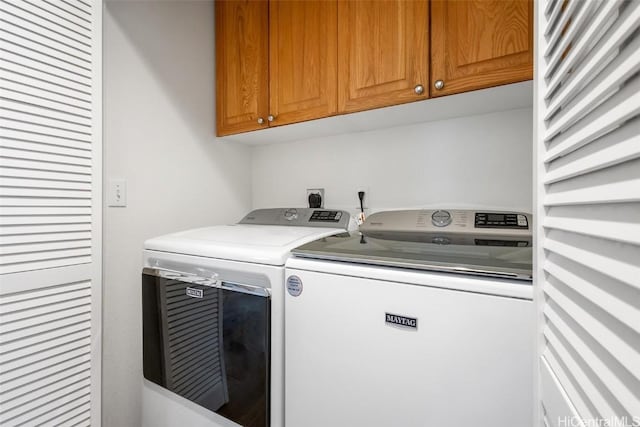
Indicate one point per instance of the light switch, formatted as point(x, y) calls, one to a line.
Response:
point(117, 192)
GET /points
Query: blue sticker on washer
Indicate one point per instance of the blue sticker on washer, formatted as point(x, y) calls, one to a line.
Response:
point(294, 286)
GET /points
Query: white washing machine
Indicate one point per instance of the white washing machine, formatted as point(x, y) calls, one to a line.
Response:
point(213, 318)
point(424, 319)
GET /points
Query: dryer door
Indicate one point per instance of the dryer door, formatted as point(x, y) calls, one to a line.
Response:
point(208, 342)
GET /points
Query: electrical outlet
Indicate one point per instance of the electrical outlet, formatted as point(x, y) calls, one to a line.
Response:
point(117, 193)
point(316, 191)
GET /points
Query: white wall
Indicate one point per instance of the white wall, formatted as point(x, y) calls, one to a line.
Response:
point(159, 136)
point(477, 161)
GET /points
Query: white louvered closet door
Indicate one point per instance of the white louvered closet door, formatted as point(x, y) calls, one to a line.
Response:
point(50, 212)
point(587, 156)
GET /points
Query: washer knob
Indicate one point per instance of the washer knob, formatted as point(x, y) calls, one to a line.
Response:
point(441, 218)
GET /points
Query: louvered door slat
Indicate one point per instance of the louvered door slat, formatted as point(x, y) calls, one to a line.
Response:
point(18, 135)
point(22, 44)
point(571, 27)
point(614, 148)
point(609, 115)
point(554, 13)
point(48, 176)
point(44, 183)
point(67, 51)
point(25, 230)
point(611, 185)
point(565, 385)
point(31, 11)
point(599, 254)
point(30, 125)
point(27, 112)
point(51, 237)
point(556, 42)
point(29, 97)
point(20, 83)
point(600, 54)
point(581, 375)
point(587, 262)
point(608, 294)
point(30, 161)
point(29, 148)
point(40, 71)
point(606, 84)
point(595, 325)
point(53, 405)
point(36, 221)
point(67, 158)
point(63, 11)
point(595, 228)
point(34, 387)
point(37, 29)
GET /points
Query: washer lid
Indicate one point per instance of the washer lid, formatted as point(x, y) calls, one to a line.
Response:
point(262, 244)
point(482, 259)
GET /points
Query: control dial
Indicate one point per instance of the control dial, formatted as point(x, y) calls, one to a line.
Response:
point(291, 214)
point(441, 218)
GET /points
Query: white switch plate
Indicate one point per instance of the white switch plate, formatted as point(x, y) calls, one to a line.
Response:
point(117, 192)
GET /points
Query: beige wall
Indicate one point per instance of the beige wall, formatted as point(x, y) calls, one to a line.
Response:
point(159, 136)
point(473, 161)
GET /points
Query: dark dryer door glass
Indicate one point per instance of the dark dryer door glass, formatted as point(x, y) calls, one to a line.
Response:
point(208, 342)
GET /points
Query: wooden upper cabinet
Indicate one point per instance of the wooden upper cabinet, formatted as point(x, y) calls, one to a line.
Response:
point(303, 52)
point(242, 54)
point(383, 53)
point(478, 44)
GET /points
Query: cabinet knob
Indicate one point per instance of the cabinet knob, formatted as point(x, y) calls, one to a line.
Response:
point(260, 120)
point(439, 84)
point(419, 89)
point(270, 118)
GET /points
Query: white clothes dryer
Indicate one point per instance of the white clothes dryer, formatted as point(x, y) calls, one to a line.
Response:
point(213, 318)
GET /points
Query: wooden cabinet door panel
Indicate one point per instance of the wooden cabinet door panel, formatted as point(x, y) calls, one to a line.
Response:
point(302, 60)
point(242, 85)
point(480, 43)
point(383, 52)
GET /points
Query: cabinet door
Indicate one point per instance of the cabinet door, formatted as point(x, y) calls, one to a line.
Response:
point(302, 60)
point(383, 53)
point(479, 44)
point(242, 42)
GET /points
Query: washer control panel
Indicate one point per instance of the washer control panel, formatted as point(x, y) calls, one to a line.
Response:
point(501, 220)
point(442, 226)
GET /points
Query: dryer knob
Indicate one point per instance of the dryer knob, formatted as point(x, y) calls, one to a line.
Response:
point(291, 214)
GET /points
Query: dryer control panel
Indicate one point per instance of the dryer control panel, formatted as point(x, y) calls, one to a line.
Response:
point(298, 217)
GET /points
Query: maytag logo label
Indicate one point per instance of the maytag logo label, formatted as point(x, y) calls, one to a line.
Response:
point(195, 293)
point(397, 320)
